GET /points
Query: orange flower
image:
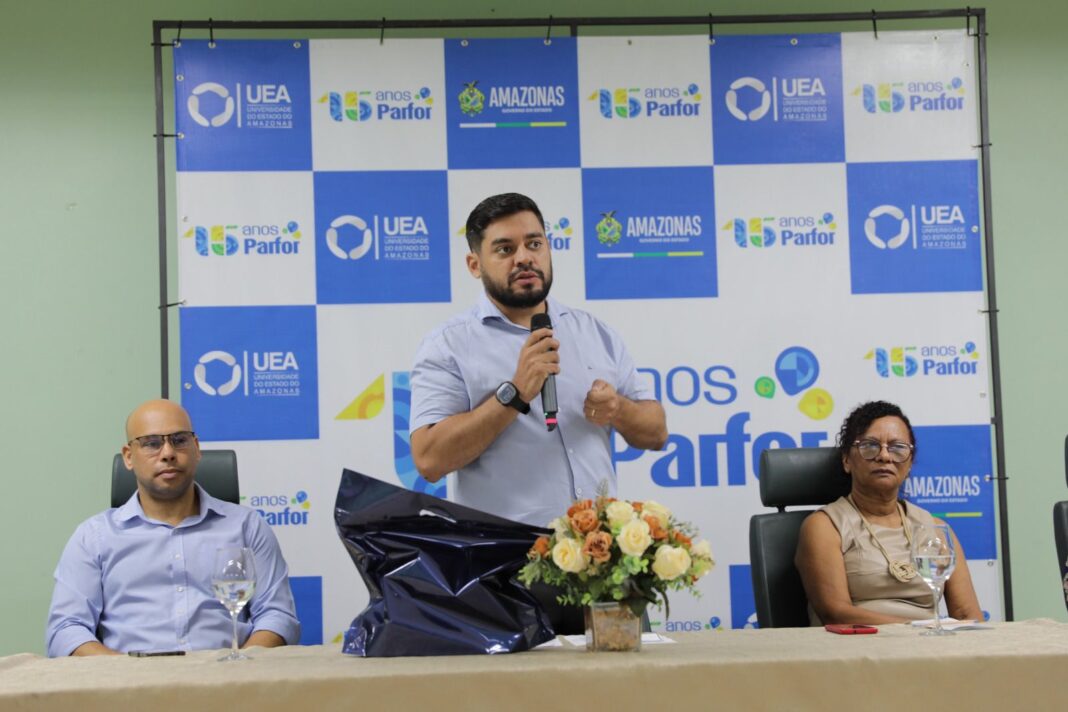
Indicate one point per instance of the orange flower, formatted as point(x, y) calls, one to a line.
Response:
point(584, 521)
point(579, 506)
point(598, 546)
point(656, 531)
point(681, 538)
point(637, 507)
point(541, 547)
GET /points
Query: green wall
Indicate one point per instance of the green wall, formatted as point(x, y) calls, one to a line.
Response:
point(78, 268)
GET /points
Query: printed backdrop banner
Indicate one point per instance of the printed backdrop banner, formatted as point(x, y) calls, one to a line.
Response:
point(780, 227)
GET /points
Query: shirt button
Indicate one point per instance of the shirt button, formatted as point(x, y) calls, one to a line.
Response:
point(181, 588)
point(571, 451)
point(579, 492)
point(177, 556)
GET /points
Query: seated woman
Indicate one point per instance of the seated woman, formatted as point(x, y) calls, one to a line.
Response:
point(853, 555)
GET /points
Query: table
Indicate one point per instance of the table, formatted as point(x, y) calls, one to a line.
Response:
point(1015, 666)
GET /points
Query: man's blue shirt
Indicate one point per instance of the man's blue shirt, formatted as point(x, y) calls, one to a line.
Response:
point(135, 583)
point(527, 474)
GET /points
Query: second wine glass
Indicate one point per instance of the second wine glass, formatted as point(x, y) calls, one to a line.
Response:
point(935, 558)
point(234, 581)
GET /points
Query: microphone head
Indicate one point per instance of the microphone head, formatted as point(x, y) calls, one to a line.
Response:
point(540, 320)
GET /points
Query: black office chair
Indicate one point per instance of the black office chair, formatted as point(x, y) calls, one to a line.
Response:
point(789, 477)
point(216, 473)
point(1060, 527)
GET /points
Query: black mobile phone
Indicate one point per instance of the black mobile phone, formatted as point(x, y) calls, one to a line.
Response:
point(154, 653)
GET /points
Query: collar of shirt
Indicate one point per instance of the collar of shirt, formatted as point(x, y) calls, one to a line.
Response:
point(487, 310)
point(132, 510)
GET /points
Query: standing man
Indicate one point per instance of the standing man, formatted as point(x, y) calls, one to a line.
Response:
point(477, 380)
point(138, 577)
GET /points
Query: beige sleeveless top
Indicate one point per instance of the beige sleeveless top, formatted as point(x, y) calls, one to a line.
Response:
point(870, 584)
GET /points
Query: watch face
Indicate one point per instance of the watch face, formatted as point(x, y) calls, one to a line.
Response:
point(505, 393)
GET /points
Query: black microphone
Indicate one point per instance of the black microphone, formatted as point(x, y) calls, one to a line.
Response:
point(548, 389)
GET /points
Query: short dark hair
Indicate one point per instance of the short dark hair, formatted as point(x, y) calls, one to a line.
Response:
point(494, 208)
point(862, 417)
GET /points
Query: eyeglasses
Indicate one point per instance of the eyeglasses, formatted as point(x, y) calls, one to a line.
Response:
point(898, 451)
point(152, 444)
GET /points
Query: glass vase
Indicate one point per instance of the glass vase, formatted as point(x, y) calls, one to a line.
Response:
point(612, 626)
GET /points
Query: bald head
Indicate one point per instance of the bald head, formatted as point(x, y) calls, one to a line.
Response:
point(155, 417)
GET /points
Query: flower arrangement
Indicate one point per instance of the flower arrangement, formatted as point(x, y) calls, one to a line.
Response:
point(614, 550)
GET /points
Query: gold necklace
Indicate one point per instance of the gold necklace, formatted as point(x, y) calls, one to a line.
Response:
point(903, 571)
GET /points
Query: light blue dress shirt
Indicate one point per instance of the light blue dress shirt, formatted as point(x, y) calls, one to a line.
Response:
point(135, 583)
point(527, 474)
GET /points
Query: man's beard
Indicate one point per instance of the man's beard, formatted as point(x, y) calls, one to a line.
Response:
point(518, 300)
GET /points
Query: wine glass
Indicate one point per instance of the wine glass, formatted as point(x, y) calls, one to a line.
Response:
point(935, 558)
point(234, 580)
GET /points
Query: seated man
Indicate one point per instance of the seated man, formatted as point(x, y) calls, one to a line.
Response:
point(138, 577)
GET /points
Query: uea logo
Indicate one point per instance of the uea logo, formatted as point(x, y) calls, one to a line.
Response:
point(511, 99)
point(800, 230)
point(281, 510)
point(273, 373)
point(788, 99)
point(906, 361)
point(200, 373)
point(895, 97)
point(228, 240)
point(888, 227)
point(265, 106)
point(193, 104)
point(659, 101)
point(392, 237)
point(381, 105)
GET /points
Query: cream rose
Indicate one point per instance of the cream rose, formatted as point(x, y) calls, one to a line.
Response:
point(657, 510)
point(567, 554)
point(619, 513)
point(702, 550)
point(671, 562)
point(560, 527)
point(634, 538)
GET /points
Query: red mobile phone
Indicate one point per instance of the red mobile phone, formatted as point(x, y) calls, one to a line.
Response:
point(850, 629)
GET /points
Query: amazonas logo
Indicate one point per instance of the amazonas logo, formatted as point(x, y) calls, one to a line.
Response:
point(272, 374)
point(259, 239)
point(649, 231)
point(381, 105)
point(912, 96)
point(281, 510)
point(521, 99)
point(263, 106)
point(368, 405)
point(941, 227)
point(391, 237)
point(938, 360)
point(800, 231)
point(629, 103)
point(801, 99)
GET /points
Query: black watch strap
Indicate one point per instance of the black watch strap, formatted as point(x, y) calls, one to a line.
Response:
point(507, 389)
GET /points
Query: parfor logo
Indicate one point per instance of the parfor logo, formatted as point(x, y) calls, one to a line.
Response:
point(367, 237)
point(898, 361)
point(348, 106)
point(618, 103)
point(472, 100)
point(904, 227)
point(797, 369)
point(609, 230)
point(882, 97)
point(200, 373)
point(755, 231)
point(214, 240)
point(193, 104)
point(748, 83)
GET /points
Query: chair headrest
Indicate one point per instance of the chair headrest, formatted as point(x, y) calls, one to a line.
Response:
point(802, 476)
